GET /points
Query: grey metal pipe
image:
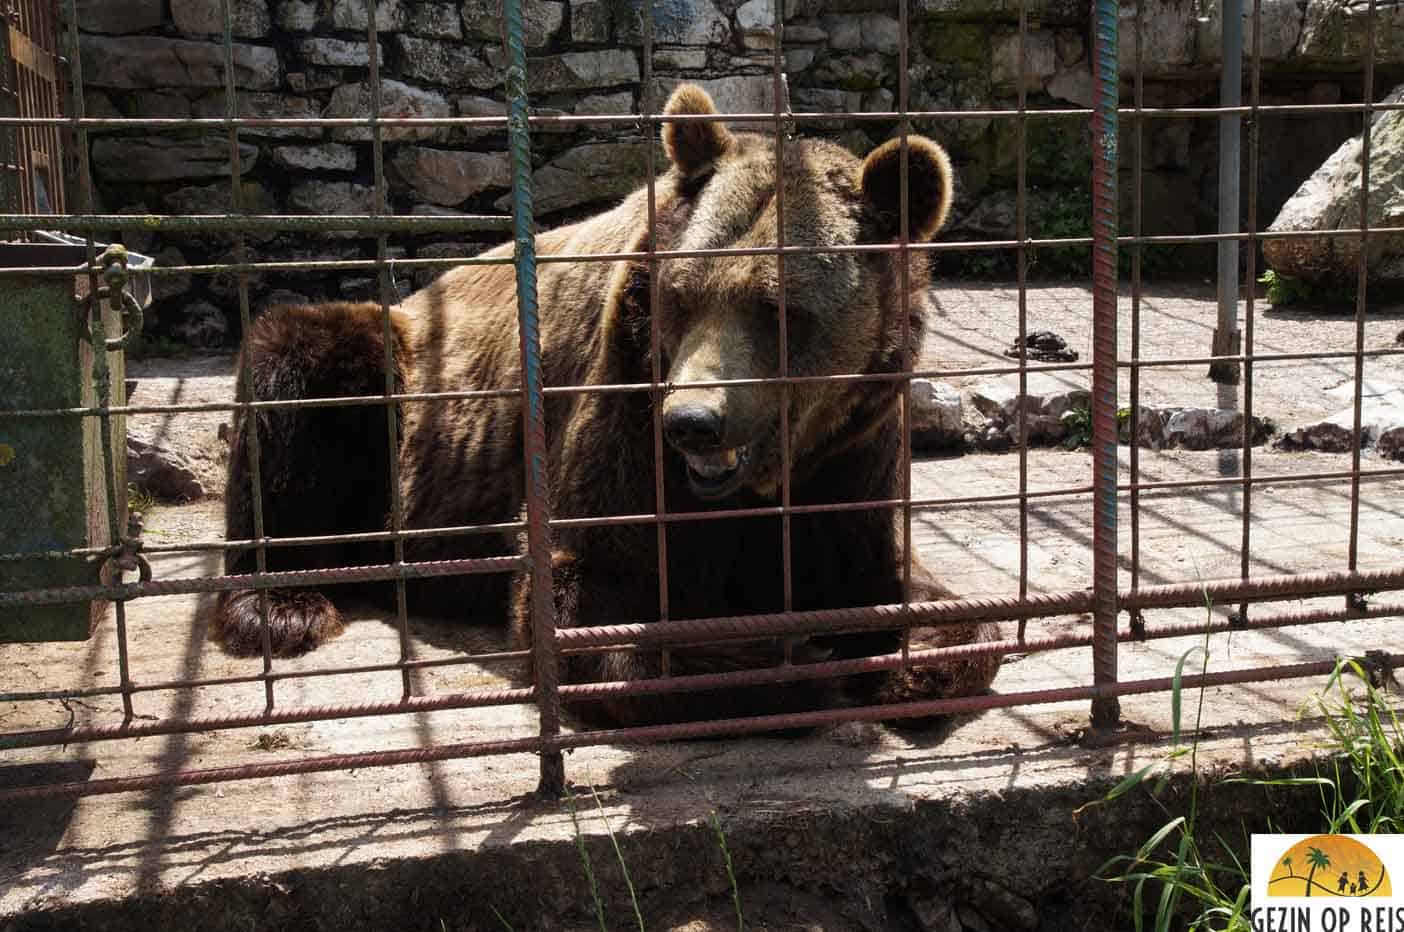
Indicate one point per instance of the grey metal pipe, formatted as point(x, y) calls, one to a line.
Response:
point(1226, 334)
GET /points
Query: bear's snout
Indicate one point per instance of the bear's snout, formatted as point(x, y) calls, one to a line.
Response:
point(694, 428)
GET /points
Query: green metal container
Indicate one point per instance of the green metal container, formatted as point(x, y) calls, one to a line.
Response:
point(53, 476)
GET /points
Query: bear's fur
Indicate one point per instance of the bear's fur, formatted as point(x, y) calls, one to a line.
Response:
point(460, 460)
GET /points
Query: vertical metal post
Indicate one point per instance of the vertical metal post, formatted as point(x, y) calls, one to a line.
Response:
point(1226, 334)
point(241, 255)
point(1137, 267)
point(543, 620)
point(1021, 219)
point(379, 207)
point(102, 382)
point(1250, 311)
point(1106, 710)
point(1362, 280)
point(655, 334)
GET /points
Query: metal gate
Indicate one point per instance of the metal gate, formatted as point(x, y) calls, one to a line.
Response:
point(1119, 613)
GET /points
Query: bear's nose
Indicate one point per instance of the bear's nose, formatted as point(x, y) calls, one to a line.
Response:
point(693, 428)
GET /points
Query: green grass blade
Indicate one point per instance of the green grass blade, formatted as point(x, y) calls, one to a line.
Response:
point(585, 860)
point(730, 873)
point(628, 882)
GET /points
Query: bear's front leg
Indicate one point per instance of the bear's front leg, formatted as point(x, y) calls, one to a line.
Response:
point(966, 676)
point(588, 596)
point(582, 598)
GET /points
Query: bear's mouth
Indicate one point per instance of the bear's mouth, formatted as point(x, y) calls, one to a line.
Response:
point(716, 475)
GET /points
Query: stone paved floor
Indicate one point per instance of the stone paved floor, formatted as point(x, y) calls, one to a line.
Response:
point(109, 847)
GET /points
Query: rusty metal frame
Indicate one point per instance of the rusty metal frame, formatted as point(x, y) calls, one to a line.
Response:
point(31, 87)
point(1105, 599)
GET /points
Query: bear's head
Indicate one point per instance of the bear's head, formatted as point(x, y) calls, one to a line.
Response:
point(719, 316)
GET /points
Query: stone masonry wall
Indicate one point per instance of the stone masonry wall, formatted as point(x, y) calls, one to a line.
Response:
point(305, 58)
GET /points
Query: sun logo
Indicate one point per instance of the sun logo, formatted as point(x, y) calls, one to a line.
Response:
point(1329, 865)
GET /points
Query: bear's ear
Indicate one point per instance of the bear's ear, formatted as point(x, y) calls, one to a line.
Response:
point(928, 187)
point(693, 146)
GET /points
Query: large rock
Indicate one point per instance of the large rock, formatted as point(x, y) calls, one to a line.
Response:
point(1168, 29)
point(265, 105)
point(175, 284)
point(250, 18)
point(160, 471)
point(1381, 422)
point(451, 64)
point(297, 15)
point(1335, 32)
point(154, 61)
point(130, 159)
point(748, 93)
point(329, 157)
point(1162, 427)
point(218, 199)
point(435, 20)
point(936, 416)
point(756, 17)
point(617, 103)
point(541, 20)
point(1040, 59)
point(352, 15)
point(582, 71)
point(449, 178)
point(1046, 393)
point(338, 53)
point(595, 171)
point(475, 105)
point(995, 216)
point(589, 21)
point(202, 325)
point(1208, 429)
point(396, 99)
point(1281, 24)
point(331, 197)
point(1330, 200)
point(675, 22)
point(119, 18)
point(1391, 443)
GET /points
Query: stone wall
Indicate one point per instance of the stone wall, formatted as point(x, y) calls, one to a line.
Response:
point(306, 58)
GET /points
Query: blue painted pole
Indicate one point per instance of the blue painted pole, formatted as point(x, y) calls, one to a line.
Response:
point(543, 621)
point(1106, 711)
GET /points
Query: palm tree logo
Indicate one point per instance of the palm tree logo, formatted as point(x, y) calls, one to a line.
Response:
point(1318, 860)
point(1325, 856)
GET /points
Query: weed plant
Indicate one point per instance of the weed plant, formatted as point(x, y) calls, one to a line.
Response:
point(593, 884)
point(1361, 785)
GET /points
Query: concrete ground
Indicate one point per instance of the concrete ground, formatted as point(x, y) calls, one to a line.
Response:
point(1020, 771)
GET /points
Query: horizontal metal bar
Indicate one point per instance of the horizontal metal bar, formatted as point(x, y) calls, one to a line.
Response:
point(637, 119)
point(435, 223)
point(557, 390)
point(716, 515)
point(367, 224)
point(567, 390)
point(1256, 480)
point(471, 699)
point(648, 734)
point(1259, 357)
point(278, 580)
point(648, 687)
point(951, 611)
point(276, 675)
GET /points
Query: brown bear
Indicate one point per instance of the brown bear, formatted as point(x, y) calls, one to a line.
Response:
point(326, 470)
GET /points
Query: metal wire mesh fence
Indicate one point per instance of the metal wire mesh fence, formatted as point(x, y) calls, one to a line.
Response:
point(1110, 489)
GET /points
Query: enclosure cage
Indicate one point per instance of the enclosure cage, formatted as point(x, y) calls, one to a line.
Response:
point(32, 85)
point(1112, 498)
